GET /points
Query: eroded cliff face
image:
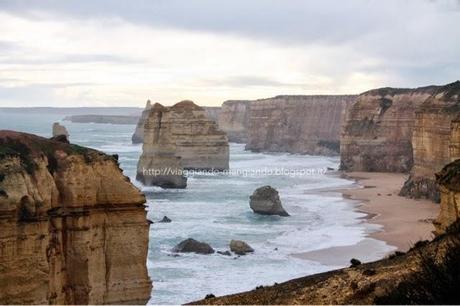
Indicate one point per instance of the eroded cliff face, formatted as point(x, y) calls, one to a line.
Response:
point(297, 124)
point(234, 120)
point(448, 180)
point(73, 228)
point(138, 136)
point(378, 127)
point(180, 137)
point(435, 141)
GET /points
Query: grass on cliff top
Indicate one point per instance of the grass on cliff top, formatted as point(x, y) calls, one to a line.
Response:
point(438, 281)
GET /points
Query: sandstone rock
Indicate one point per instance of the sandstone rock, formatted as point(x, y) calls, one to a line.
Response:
point(265, 201)
point(138, 136)
point(180, 137)
point(73, 229)
point(377, 132)
point(435, 141)
point(240, 247)
point(158, 164)
point(59, 130)
point(449, 183)
point(234, 120)
point(192, 246)
point(297, 124)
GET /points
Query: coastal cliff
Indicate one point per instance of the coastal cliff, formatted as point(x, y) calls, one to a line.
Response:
point(297, 124)
point(448, 180)
point(378, 127)
point(234, 120)
point(435, 141)
point(180, 137)
point(138, 136)
point(73, 228)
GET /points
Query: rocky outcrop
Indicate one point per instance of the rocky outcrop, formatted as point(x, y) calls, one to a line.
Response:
point(448, 180)
point(234, 120)
point(193, 246)
point(138, 136)
point(266, 201)
point(180, 137)
point(297, 124)
point(159, 165)
point(212, 112)
point(377, 132)
point(102, 119)
point(427, 274)
point(240, 247)
point(73, 228)
point(60, 130)
point(435, 141)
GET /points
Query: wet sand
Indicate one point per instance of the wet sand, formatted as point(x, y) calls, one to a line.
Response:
point(405, 221)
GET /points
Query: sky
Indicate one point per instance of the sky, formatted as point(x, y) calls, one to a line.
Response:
point(121, 53)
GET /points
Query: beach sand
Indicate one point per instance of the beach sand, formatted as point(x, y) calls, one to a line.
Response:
point(405, 221)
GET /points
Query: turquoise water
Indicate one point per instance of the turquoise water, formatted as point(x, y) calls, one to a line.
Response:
point(215, 209)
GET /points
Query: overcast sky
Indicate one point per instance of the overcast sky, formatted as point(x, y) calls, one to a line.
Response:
point(121, 53)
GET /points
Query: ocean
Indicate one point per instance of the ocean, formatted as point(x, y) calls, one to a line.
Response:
point(214, 208)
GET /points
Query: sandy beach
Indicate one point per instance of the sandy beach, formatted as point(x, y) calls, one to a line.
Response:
point(405, 221)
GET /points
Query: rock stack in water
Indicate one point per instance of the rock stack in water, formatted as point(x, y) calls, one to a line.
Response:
point(59, 131)
point(138, 136)
point(435, 141)
point(180, 137)
point(234, 120)
point(73, 229)
point(266, 201)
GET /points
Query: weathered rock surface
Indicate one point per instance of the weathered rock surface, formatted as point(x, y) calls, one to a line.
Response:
point(365, 284)
point(73, 228)
point(266, 201)
point(159, 165)
point(180, 137)
point(240, 247)
point(297, 124)
point(435, 141)
point(213, 112)
point(377, 132)
point(138, 136)
point(234, 120)
point(60, 130)
point(448, 180)
point(193, 246)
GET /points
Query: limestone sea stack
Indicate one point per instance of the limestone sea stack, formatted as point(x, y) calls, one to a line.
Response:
point(435, 141)
point(266, 201)
point(297, 124)
point(234, 120)
point(138, 136)
point(159, 165)
point(60, 130)
point(377, 132)
point(73, 228)
point(180, 137)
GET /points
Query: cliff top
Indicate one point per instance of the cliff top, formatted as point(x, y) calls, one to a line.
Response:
point(390, 91)
point(29, 146)
point(186, 105)
point(450, 90)
point(449, 176)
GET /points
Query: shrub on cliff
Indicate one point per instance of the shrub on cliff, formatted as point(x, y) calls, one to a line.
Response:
point(438, 280)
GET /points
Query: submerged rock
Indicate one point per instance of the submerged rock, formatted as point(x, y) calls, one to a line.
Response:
point(266, 201)
point(225, 253)
point(165, 220)
point(193, 246)
point(240, 247)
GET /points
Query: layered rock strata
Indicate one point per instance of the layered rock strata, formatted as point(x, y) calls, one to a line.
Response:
point(177, 138)
point(297, 124)
point(448, 180)
point(435, 141)
point(377, 131)
point(234, 120)
point(73, 228)
point(138, 136)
